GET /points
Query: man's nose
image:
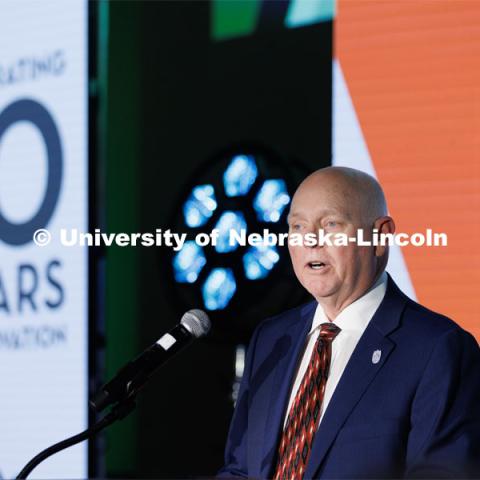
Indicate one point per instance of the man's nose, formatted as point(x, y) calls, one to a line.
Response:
point(311, 241)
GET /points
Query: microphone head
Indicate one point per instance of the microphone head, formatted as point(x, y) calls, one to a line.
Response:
point(196, 322)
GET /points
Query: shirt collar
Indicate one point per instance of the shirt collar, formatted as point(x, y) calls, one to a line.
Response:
point(358, 314)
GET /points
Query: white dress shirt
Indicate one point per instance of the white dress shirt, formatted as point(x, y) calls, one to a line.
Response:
point(352, 321)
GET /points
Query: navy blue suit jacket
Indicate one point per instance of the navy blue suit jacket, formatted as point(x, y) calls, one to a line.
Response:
point(414, 414)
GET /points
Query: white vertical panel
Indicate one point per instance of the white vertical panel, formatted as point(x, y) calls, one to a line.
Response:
point(43, 290)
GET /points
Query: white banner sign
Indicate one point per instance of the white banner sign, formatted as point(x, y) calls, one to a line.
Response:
point(43, 185)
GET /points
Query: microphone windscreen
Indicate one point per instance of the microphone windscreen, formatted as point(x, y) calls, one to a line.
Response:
point(196, 322)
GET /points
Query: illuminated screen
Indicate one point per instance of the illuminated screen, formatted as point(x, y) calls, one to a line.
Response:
point(407, 109)
point(43, 184)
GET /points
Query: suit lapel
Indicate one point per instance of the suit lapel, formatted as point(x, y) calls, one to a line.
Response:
point(281, 386)
point(359, 373)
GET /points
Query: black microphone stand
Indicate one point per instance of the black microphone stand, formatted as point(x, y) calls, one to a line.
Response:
point(118, 412)
point(121, 391)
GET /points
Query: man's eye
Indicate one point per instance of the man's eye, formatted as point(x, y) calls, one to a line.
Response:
point(331, 224)
point(295, 226)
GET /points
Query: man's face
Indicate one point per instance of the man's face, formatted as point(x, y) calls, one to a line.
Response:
point(338, 273)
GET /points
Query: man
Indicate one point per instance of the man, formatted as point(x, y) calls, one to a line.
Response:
point(362, 382)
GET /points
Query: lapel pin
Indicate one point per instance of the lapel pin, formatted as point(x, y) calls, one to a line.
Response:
point(376, 356)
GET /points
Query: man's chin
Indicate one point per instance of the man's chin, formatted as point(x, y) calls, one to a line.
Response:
point(323, 293)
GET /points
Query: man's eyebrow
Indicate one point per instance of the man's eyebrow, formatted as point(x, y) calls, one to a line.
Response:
point(293, 215)
point(323, 213)
point(331, 211)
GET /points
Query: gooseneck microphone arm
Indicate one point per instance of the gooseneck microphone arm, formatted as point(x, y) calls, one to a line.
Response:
point(118, 412)
point(122, 390)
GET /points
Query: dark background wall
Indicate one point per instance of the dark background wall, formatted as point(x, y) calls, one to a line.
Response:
point(174, 98)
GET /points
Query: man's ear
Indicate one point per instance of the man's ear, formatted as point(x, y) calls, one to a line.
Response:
point(383, 225)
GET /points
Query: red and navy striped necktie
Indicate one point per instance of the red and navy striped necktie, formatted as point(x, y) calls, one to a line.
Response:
point(304, 416)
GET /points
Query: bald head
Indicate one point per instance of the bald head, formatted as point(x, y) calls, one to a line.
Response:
point(360, 192)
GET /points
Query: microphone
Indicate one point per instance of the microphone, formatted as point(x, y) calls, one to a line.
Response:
point(133, 376)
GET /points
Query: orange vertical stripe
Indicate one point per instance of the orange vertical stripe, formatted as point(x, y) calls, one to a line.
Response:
point(413, 72)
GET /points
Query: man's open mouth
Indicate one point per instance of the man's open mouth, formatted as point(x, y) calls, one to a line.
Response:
point(316, 265)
